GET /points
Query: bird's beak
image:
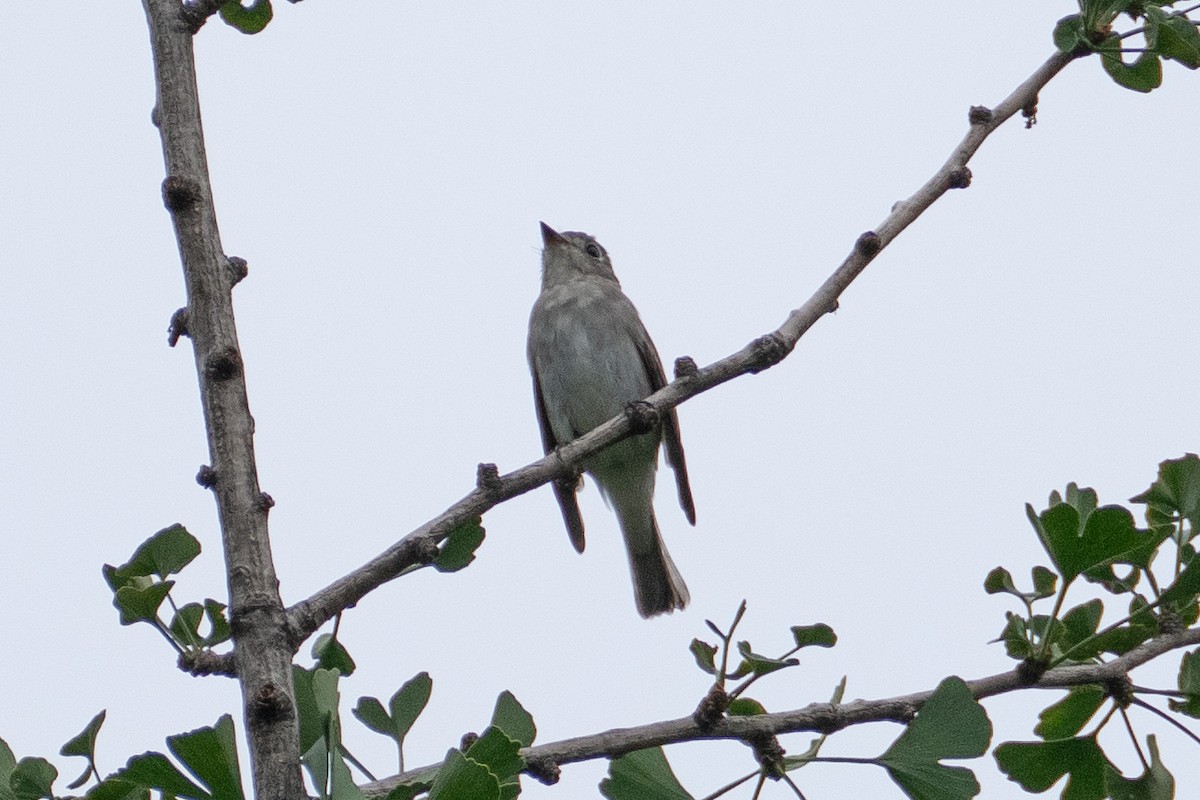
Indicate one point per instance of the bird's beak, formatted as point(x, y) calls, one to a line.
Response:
point(551, 236)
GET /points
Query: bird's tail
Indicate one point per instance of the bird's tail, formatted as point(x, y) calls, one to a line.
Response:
point(628, 486)
point(657, 585)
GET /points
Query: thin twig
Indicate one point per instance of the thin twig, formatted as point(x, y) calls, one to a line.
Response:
point(1158, 711)
point(729, 787)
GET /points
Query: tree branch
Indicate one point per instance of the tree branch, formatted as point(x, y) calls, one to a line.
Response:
point(197, 12)
point(305, 617)
point(256, 610)
point(543, 760)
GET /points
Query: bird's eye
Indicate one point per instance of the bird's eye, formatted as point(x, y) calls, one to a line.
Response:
point(592, 249)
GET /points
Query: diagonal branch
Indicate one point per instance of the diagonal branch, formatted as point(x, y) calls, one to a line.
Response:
point(543, 761)
point(413, 550)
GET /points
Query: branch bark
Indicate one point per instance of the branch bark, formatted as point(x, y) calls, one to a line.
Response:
point(544, 760)
point(263, 653)
point(305, 617)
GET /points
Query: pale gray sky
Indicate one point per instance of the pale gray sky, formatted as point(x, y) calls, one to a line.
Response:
point(383, 166)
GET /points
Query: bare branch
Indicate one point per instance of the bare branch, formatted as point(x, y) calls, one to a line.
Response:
point(197, 12)
point(816, 717)
point(306, 616)
point(264, 655)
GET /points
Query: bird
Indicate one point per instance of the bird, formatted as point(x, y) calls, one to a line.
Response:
point(590, 357)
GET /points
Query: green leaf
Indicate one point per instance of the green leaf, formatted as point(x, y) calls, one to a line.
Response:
point(370, 712)
point(1023, 638)
point(1084, 500)
point(343, 785)
point(113, 788)
point(84, 744)
point(745, 707)
point(8, 762)
point(758, 664)
point(498, 752)
point(1099, 14)
point(951, 724)
point(1173, 37)
point(458, 550)
point(312, 721)
point(155, 771)
point(165, 553)
point(210, 754)
point(1078, 625)
point(1058, 529)
point(999, 581)
point(1069, 35)
point(1120, 641)
point(1189, 684)
point(247, 19)
point(409, 701)
point(219, 630)
point(325, 691)
point(141, 605)
point(1143, 75)
point(1189, 673)
point(820, 635)
point(1156, 783)
point(324, 757)
point(318, 762)
point(32, 778)
point(1142, 625)
point(1077, 543)
point(406, 705)
point(1112, 538)
point(642, 775)
point(1185, 587)
point(1177, 488)
point(331, 654)
point(185, 624)
point(461, 778)
point(1045, 582)
point(1068, 716)
point(1037, 766)
point(512, 718)
point(1107, 577)
point(705, 655)
point(1017, 642)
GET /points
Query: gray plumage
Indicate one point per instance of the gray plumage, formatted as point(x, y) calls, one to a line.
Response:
point(590, 357)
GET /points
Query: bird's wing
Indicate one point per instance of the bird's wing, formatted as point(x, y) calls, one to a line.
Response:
point(564, 492)
point(670, 423)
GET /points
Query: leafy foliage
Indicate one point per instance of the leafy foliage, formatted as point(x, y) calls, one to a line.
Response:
point(1086, 540)
point(140, 587)
point(1167, 36)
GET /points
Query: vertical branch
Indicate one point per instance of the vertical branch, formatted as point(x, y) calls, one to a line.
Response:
point(263, 654)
